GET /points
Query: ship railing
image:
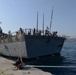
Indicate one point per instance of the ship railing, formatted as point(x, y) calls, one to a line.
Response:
point(28, 31)
point(36, 32)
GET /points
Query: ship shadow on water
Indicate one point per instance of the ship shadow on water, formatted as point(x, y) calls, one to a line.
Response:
point(46, 61)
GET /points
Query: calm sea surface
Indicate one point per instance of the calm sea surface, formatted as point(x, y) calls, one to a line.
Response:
point(67, 58)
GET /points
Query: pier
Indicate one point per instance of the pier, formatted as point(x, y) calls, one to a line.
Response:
point(7, 68)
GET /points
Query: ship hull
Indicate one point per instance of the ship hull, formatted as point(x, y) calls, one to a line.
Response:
point(44, 45)
point(33, 46)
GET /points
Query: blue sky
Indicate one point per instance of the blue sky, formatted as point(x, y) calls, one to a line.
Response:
point(22, 13)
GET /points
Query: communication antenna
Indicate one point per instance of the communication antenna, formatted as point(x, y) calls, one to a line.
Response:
point(43, 24)
point(51, 19)
point(37, 22)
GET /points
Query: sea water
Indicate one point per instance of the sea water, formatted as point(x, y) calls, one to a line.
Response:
point(67, 58)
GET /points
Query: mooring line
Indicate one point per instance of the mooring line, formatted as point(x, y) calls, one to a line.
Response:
point(50, 66)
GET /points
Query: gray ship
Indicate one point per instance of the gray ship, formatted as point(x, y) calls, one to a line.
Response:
point(31, 43)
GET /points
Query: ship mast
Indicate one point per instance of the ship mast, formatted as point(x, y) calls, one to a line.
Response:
point(51, 19)
point(43, 24)
point(37, 22)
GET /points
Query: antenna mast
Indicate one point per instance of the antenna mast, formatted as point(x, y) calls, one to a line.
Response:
point(51, 19)
point(37, 22)
point(43, 23)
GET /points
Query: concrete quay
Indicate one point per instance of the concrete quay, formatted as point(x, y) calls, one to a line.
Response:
point(7, 68)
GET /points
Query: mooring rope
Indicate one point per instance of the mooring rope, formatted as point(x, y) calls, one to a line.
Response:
point(50, 66)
